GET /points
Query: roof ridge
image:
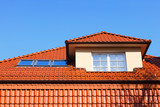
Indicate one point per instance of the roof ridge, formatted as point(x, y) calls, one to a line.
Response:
point(86, 36)
point(104, 32)
point(35, 53)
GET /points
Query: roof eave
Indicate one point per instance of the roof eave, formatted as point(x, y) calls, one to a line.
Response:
point(78, 81)
point(148, 42)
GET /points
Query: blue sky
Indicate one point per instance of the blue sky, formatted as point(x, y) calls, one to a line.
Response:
point(28, 26)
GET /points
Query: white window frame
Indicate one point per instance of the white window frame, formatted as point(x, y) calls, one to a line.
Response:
point(108, 60)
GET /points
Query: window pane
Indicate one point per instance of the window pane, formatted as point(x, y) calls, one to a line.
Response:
point(96, 57)
point(116, 62)
point(113, 69)
point(60, 63)
point(103, 57)
point(120, 64)
point(120, 69)
point(104, 64)
point(96, 69)
point(104, 69)
point(113, 64)
point(42, 62)
point(96, 63)
point(113, 57)
point(26, 62)
point(120, 57)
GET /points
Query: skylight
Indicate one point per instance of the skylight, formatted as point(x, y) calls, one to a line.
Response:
point(59, 63)
point(26, 62)
point(43, 63)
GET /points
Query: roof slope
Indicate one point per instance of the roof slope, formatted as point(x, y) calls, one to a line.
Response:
point(9, 71)
point(57, 53)
point(106, 37)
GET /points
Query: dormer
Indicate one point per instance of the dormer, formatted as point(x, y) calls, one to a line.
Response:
point(107, 52)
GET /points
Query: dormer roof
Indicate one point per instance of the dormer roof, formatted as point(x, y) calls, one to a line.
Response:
point(105, 37)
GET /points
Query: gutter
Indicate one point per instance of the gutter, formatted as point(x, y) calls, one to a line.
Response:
point(78, 81)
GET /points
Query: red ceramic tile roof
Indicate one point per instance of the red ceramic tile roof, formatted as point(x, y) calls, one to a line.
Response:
point(106, 37)
point(9, 71)
point(78, 97)
point(56, 95)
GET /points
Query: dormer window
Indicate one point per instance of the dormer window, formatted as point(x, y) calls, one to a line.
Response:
point(107, 52)
point(109, 62)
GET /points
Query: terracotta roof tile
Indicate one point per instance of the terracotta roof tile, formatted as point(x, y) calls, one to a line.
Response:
point(9, 71)
point(106, 37)
point(79, 95)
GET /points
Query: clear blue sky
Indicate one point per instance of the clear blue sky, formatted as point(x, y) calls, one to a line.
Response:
point(28, 26)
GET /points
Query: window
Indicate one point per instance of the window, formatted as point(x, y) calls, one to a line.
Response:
point(109, 62)
point(43, 63)
point(59, 63)
point(26, 62)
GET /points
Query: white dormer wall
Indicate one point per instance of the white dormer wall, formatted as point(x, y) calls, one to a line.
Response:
point(83, 57)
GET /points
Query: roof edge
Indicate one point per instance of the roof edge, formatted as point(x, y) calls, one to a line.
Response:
point(78, 81)
point(148, 44)
point(123, 42)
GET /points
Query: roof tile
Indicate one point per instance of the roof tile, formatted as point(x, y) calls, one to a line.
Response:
point(106, 37)
point(80, 97)
point(9, 71)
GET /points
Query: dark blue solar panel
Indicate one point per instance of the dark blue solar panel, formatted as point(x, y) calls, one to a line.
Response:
point(59, 63)
point(42, 62)
point(25, 62)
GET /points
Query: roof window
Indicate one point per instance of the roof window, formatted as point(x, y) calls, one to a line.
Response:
point(26, 62)
point(42, 63)
point(59, 63)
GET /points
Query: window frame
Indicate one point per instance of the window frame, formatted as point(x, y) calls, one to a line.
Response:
point(49, 64)
point(33, 61)
point(108, 60)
